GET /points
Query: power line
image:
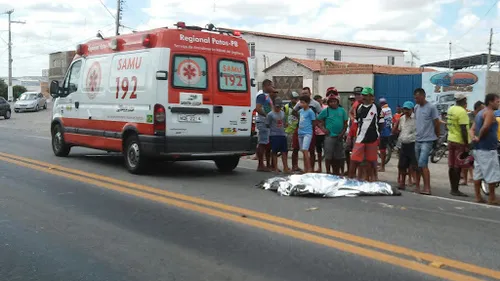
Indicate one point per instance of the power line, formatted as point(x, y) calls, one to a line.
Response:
point(480, 19)
point(105, 7)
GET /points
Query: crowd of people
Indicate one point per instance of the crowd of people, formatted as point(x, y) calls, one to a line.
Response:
point(323, 130)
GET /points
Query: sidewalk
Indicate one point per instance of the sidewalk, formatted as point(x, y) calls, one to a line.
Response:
point(440, 185)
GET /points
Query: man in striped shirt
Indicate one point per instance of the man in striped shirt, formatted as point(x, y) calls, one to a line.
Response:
point(370, 121)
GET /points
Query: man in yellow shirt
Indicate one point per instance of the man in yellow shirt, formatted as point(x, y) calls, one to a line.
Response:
point(458, 140)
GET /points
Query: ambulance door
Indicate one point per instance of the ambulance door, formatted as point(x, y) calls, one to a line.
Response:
point(189, 111)
point(232, 104)
point(66, 106)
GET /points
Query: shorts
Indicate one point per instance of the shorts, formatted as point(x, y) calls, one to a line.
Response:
point(263, 136)
point(334, 148)
point(365, 151)
point(278, 144)
point(407, 157)
point(296, 145)
point(384, 142)
point(454, 150)
point(305, 142)
point(486, 166)
point(422, 151)
point(320, 140)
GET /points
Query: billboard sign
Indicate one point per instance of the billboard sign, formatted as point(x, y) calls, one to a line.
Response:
point(441, 87)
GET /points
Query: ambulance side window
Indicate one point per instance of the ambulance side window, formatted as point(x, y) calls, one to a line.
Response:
point(232, 76)
point(73, 78)
point(189, 72)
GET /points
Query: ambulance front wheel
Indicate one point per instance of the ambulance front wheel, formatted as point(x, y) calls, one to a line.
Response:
point(227, 164)
point(134, 158)
point(59, 146)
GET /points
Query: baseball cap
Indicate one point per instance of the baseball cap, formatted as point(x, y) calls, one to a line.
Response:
point(332, 89)
point(408, 104)
point(351, 97)
point(460, 96)
point(367, 91)
point(295, 95)
point(357, 90)
point(278, 102)
point(382, 100)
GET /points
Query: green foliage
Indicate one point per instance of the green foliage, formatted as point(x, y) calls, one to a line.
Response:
point(18, 90)
point(3, 89)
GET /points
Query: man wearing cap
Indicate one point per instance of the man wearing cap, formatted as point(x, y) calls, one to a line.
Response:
point(385, 133)
point(458, 140)
point(428, 131)
point(334, 123)
point(407, 134)
point(370, 123)
point(292, 130)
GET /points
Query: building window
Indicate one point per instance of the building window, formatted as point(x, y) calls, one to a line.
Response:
point(391, 60)
point(311, 54)
point(337, 55)
point(251, 48)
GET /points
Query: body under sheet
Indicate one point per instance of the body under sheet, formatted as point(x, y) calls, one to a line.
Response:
point(326, 186)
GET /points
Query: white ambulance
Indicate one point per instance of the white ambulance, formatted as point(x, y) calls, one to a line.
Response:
point(177, 94)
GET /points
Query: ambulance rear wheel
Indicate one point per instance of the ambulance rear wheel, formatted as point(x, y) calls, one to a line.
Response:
point(59, 146)
point(227, 164)
point(134, 158)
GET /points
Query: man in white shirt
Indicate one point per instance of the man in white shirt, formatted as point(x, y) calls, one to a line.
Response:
point(407, 135)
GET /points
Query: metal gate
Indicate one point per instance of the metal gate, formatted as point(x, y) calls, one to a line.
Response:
point(285, 85)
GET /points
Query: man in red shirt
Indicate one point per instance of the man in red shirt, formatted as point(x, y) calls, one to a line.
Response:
point(353, 126)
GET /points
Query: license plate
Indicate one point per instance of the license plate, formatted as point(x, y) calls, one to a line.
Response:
point(192, 118)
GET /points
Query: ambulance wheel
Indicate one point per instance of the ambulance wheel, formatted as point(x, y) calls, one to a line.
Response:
point(227, 164)
point(134, 160)
point(59, 146)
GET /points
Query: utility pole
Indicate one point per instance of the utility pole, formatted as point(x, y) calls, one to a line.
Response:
point(449, 60)
point(489, 49)
point(118, 17)
point(10, 92)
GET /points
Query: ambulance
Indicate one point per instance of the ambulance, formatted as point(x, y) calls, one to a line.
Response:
point(183, 93)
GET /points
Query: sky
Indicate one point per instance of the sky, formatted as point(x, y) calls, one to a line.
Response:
point(423, 26)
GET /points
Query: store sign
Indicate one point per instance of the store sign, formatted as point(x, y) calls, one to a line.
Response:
point(442, 86)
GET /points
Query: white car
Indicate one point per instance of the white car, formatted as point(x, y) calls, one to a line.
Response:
point(30, 101)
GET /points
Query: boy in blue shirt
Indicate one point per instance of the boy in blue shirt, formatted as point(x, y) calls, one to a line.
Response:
point(306, 124)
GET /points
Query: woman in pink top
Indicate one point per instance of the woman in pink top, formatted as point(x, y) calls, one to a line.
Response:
point(320, 137)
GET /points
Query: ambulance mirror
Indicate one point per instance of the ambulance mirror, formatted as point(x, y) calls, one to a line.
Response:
point(54, 88)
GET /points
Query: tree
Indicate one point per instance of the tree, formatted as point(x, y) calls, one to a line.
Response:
point(3, 89)
point(18, 90)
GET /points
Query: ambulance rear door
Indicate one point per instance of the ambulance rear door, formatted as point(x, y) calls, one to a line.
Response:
point(189, 112)
point(232, 119)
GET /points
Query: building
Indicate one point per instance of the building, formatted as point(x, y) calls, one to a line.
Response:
point(267, 49)
point(292, 74)
point(58, 65)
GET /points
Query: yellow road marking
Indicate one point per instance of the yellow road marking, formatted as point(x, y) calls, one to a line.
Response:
point(98, 180)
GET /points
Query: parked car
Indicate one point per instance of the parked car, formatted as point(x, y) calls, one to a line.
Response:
point(4, 108)
point(30, 101)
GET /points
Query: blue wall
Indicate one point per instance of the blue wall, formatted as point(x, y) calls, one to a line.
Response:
point(396, 89)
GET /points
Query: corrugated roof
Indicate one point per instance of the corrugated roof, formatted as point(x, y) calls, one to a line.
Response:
point(315, 40)
point(336, 67)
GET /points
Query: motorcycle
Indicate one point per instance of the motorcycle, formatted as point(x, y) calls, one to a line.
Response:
point(392, 147)
point(440, 150)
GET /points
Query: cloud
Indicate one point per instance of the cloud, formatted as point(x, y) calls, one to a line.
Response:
point(51, 25)
point(423, 26)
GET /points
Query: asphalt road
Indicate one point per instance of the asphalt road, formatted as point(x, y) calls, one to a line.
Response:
point(85, 218)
